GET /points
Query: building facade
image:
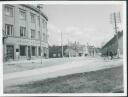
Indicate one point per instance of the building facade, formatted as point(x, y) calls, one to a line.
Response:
point(113, 46)
point(82, 50)
point(24, 32)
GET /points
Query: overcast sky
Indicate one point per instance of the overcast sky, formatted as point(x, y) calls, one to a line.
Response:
point(83, 23)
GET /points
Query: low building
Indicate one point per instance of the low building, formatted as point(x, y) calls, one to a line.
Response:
point(78, 49)
point(24, 32)
point(113, 46)
point(72, 50)
point(56, 51)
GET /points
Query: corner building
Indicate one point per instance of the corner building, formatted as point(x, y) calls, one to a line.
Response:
point(24, 32)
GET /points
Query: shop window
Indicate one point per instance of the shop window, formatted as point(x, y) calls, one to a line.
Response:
point(22, 50)
point(33, 51)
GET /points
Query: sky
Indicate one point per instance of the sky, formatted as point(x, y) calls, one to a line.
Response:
point(82, 23)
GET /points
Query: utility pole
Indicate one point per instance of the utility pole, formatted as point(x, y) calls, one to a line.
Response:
point(62, 44)
point(3, 39)
point(39, 7)
point(116, 20)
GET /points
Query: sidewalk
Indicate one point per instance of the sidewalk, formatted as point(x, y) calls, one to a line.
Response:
point(39, 60)
point(59, 70)
point(23, 61)
point(34, 64)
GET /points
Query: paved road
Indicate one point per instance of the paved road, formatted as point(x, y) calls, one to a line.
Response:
point(59, 70)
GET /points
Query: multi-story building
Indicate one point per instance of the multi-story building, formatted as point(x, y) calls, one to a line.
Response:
point(24, 32)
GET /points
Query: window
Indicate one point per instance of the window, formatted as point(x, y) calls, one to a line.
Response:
point(45, 24)
point(8, 10)
point(17, 50)
point(22, 31)
point(44, 37)
point(22, 50)
point(32, 33)
point(38, 20)
point(33, 51)
point(33, 19)
point(9, 29)
point(22, 14)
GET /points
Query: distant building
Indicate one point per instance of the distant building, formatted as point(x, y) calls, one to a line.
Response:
point(72, 50)
point(112, 44)
point(70, 53)
point(78, 49)
point(24, 28)
point(56, 51)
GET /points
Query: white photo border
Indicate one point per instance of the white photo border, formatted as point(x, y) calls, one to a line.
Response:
point(123, 3)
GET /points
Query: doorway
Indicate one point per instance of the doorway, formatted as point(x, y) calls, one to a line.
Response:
point(10, 52)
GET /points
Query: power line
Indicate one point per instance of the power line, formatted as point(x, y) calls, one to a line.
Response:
point(116, 19)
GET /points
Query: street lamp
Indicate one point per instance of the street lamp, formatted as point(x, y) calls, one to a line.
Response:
point(3, 39)
point(61, 44)
point(39, 6)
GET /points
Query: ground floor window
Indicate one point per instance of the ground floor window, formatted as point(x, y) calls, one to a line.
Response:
point(22, 50)
point(10, 52)
point(33, 51)
point(39, 51)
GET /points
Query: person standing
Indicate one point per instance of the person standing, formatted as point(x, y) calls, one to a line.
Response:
point(107, 54)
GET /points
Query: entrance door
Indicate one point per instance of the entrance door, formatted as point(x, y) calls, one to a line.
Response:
point(29, 52)
point(10, 51)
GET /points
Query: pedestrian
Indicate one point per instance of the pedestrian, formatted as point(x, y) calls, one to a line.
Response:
point(111, 55)
point(107, 54)
point(44, 55)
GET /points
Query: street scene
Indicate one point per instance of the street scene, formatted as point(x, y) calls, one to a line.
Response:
point(63, 48)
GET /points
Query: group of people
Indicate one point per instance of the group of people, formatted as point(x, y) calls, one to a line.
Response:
point(108, 54)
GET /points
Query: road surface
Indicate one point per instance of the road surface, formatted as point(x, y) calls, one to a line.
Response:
point(59, 70)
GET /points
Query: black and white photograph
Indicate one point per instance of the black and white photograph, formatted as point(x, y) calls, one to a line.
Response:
point(64, 47)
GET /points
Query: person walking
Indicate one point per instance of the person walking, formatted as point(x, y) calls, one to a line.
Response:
point(111, 55)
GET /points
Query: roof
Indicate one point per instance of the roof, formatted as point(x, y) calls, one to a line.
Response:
point(35, 9)
point(113, 39)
